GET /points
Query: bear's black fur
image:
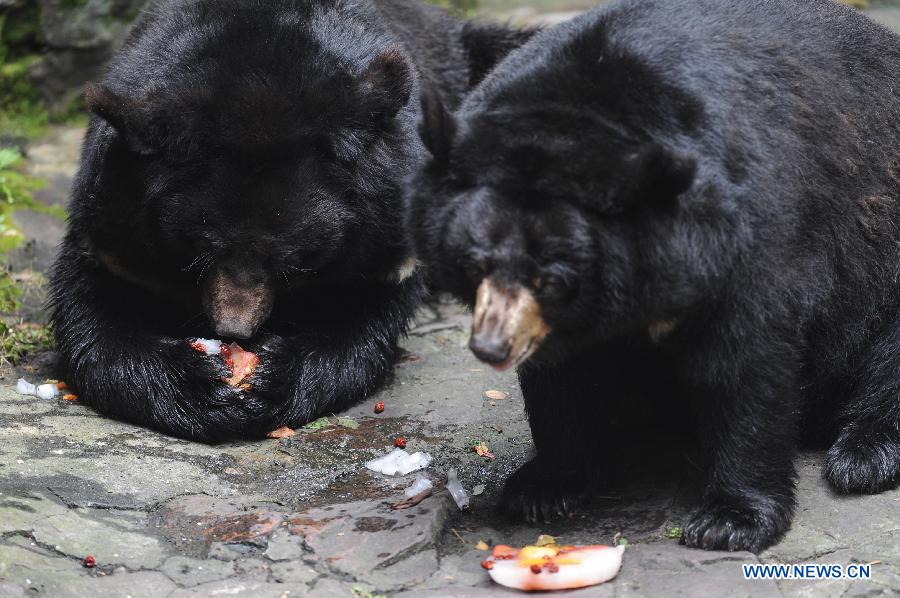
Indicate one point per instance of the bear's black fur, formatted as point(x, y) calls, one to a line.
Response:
point(708, 185)
point(242, 177)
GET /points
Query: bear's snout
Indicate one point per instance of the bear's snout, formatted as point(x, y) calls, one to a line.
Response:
point(237, 303)
point(507, 326)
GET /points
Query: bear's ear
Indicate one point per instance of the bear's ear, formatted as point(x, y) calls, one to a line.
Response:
point(655, 175)
point(387, 81)
point(128, 116)
point(437, 127)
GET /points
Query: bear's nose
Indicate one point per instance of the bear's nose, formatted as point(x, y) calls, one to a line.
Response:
point(489, 348)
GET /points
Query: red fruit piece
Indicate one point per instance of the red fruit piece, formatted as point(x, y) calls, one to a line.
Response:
point(242, 363)
point(227, 359)
point(90, 562)
point(198, 347)
point(379, 407)
point(400, 442)
point(535, 569)
point(487, 565)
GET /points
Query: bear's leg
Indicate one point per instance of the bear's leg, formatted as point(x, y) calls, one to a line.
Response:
point(749, 418)
point(866, 456)
point(565, 406)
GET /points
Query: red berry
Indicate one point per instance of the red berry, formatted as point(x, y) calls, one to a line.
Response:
point(487, 565)
point(400, 442)
point(535, 569)
point(90, 562)
point(379, 407)
point(198, 347)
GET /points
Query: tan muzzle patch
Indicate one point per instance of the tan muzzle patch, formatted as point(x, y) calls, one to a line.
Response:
point(235, 304)
point(507, 327)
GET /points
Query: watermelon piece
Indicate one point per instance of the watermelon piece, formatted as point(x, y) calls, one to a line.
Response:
point(242, 363)
point(537, 568)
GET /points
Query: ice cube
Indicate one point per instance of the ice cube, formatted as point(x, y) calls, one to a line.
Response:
point(24, 387)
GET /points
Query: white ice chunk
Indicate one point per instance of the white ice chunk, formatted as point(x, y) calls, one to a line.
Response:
point(47, 391)
point(211, 346)
point(24, 387)
point(418, 487)
point(399, 462)
point(460, 497)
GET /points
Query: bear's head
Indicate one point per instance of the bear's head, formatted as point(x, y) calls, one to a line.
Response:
point(551, 220)
point(247, 156)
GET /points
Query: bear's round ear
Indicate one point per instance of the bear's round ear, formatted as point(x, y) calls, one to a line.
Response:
point(437, 127)
point(656, 175)
point(388, 81)
point(127, 116)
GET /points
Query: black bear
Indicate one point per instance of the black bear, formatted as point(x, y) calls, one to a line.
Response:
point(242, 178)
point(713, 184)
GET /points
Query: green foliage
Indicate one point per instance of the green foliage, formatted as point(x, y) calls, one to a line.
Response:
point(21, 111)
point(673, 533)
point(19, 340)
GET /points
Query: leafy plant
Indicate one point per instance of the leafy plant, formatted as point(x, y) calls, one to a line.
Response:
point(18, 340)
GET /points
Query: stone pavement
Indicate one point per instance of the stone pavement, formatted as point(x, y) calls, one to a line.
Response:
point(302, 516)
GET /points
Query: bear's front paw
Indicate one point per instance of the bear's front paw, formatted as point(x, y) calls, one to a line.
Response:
point(863, 463)
point(541, 492)
point(272, 380)
point(735, 527)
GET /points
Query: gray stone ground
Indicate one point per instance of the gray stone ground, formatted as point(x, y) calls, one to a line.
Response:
point(302, 516)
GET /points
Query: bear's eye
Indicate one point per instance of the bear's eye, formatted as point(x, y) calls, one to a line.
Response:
point(475, 269)
point(556, 286)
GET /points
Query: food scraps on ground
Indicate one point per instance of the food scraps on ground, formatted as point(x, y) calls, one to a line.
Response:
point(421, 489)
point(495, 395)
point(457, 492)
point(478, 490)
point(420, 485)
point(70, 397)
point(399, 462)
point(379, 407)
point(482, 545)
point(241, 363)
point(43, 391)
point(400, 442)
point(282, 432)
point(62, 385)
point(481, 448)
point(90, 562)
point(553, 567)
